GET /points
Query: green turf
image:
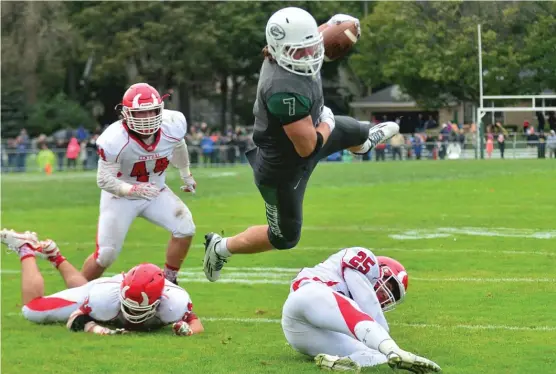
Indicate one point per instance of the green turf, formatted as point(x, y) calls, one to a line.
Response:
point(466, 307)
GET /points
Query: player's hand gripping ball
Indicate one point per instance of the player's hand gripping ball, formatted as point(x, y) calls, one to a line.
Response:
point(339, 38)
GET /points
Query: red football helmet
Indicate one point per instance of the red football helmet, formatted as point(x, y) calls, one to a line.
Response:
point(393, 284)
point(137, 104)
point(141, 291)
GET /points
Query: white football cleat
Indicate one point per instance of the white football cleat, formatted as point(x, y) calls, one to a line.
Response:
point(15, 240)
point(49, 248)
point(408, 361)
point(382, 132)
point(335, 363)
point(213, 262)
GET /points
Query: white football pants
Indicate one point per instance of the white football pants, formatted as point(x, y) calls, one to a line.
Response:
point(316, 319)
point(117, 214)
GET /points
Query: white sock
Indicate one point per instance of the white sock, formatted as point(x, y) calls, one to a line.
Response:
point(222, 248)
point(374, 336)
point(368, 358)
point(25, 251)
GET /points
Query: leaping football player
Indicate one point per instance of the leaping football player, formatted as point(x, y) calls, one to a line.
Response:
point(293, 131)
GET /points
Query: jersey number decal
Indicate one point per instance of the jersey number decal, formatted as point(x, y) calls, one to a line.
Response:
point(290, 102)
point(140, 169)
point(362, 262)
point(161, 165)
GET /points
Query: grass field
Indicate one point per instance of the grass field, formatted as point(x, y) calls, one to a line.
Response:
point(478, 240)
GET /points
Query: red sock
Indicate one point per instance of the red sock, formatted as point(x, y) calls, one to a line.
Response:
point(56, 261)
point(171, 273)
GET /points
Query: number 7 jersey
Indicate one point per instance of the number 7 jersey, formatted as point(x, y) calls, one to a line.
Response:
point(331, 271)
point(139, 162)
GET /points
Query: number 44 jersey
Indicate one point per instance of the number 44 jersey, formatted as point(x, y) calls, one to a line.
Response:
point(331, 271)
point(141, 162)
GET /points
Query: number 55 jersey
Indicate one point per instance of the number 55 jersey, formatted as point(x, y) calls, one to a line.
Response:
point(331, 271)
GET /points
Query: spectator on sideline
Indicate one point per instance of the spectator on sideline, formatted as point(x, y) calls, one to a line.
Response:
point(551, 144)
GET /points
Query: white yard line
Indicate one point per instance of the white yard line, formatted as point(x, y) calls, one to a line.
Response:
point(331, 249)
point(283, 276)
point(400, 324)
point(414, 325)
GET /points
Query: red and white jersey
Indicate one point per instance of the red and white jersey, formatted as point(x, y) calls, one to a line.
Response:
point(138, 161)
point(331, 271)
point(103, 305)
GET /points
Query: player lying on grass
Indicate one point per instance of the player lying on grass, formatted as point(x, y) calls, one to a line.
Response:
point(141, 300)
point(335, 313)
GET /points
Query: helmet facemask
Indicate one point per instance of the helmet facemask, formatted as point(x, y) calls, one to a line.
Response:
point(135, 312)
point(389, 289)
point(137, 121)
point(300, 58)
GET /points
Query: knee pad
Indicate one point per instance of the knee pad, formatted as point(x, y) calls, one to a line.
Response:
point(285, 235)
point(105, 256)
point(186, 226)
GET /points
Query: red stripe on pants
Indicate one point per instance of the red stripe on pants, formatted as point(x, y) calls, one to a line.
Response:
point(351, 315)
point(43, 304)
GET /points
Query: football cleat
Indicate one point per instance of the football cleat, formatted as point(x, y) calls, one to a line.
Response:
point(335, 363)
point(49, 249)
point(213, 262)
point(408, 361)
point(15, 240)
point(382, 132)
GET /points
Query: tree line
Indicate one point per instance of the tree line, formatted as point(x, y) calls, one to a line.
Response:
point(68, 63)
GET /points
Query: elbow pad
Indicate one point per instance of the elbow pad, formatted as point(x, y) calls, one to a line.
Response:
point(78, 322)
point(318, 146)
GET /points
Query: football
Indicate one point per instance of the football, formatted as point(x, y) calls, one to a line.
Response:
point(338, 39)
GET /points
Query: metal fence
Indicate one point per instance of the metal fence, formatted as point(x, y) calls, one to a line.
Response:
point(14, 161)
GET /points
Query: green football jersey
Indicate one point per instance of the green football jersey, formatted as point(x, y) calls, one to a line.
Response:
point(282, 98)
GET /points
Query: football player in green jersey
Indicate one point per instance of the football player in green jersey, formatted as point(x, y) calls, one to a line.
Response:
point(293, 131)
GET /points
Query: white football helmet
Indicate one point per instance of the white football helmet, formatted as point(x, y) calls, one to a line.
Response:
point(294, 41)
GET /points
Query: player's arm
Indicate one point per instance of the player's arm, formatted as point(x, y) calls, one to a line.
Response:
point(363, 293)
point(293, 112)
point(190, 324)
point(107, 180)
point(180, 159)
point(80, 320)
point(180, 154)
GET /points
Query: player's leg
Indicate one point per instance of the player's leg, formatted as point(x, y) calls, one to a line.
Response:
point(116, 216)
point(72, 277)
point(169, 211)
point(284, 213)
point(319, 306)
point(330, 349)
point(56, 307)
point(26, 245)
point(359, 138)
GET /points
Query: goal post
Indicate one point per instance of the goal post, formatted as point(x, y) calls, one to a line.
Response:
point(482, 109)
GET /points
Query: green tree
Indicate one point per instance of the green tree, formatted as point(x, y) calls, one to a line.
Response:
point(430, 49)
point(38, 45)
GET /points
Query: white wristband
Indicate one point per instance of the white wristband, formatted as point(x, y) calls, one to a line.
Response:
point(331, 123)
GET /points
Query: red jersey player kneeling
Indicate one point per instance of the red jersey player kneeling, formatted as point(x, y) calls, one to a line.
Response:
point(335, 313)
point(140, 300)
